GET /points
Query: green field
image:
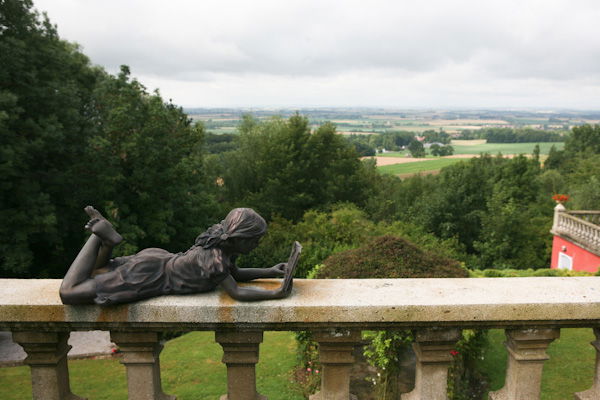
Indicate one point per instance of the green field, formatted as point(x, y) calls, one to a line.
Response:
point(420, 166)
point(507, 148)
point(493, 148)
point(191, 368)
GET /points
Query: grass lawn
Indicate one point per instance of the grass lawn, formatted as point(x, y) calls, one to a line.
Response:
point(420, 166)
point(569, 370)
point(191, 369)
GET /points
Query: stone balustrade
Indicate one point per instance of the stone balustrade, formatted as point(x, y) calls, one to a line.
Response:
point(580, 227)
point(531, 310)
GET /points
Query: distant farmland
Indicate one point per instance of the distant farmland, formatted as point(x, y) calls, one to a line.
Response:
point(409, 166)
point(492, 148)
point(428, 165)
point(506, 148)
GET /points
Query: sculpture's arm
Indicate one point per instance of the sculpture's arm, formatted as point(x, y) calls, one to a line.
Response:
point(249, 293)
point(248, 274)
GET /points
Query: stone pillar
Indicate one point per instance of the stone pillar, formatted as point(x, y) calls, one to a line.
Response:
point(240, 354)
point(47, 358)
point(433, 352)
point(594, 392)
point(559, 208)
point(336, 349)
point(526, 356)
point(141, 351)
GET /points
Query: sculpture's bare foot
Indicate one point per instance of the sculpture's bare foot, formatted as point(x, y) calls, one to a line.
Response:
point(100, 226)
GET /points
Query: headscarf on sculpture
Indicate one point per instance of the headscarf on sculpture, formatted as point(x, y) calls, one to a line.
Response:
point(240, 222)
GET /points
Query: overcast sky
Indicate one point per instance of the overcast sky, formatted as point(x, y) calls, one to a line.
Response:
point(402, 53)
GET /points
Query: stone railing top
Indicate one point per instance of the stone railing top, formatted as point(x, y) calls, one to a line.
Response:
point(368, 303)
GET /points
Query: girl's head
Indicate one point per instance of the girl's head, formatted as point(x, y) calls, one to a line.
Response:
point(242, 225)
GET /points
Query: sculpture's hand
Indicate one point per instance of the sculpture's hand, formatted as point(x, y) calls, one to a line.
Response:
point(278, 270)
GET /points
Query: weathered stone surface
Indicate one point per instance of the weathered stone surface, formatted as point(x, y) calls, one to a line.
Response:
point(336, 348)
point(141, 357)
point(433, 353)
point(47, 358)
point(526, 357)
point(240, 354)
point(314, 304)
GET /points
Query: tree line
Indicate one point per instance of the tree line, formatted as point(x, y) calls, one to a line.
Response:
point(514, 135)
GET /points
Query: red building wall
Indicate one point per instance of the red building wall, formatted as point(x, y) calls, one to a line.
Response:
point(583, 260)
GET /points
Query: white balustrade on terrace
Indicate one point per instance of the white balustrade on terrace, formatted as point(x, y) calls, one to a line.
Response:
point(579, 227)
point(531, 310)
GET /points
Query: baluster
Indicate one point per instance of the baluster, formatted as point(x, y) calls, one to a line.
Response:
point(240, 354)
point(432, 349)
point(594, 392)
point(141, 351)
point(336, 348)
point(47, 358)
point(526, 356)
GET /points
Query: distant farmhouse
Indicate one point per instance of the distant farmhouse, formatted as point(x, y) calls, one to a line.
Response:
point(576, 244)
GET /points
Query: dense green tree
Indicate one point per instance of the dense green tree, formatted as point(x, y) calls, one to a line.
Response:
point(440, 151)
point(416, 149)
point(432, 136)
point(578, 166)
point(46, 87)
point(148, 166)
point(220, 143)
point(282, 168)
point(488, 204)
point(74, 135)
point(584, 139)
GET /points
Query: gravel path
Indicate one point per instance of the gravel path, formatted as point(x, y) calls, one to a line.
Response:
point(85, 344)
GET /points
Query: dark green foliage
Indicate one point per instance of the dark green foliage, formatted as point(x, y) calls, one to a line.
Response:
point(323, 234)
point(46, 87)
point(220, 143)
point(440, 151)
point(363, 149)
point(466, 378)
point(389, 257)
point(368, 145)
point(512, 273)
point(494, 206)
point(73, 135)
point(282, 168)
point(584, 139)
point(416, 149)
point(431, 136)
point(578, 167)
point(149, 165)
point(555, 159)
point(512, 135)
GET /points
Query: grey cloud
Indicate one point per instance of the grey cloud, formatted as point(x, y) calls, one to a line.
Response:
point(512, 39)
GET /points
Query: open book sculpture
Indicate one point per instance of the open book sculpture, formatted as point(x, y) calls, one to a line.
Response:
point(210, 262)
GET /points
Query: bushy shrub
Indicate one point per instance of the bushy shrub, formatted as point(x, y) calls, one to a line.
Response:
point(390, 257)
point(325, 233)
point(513, 273)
